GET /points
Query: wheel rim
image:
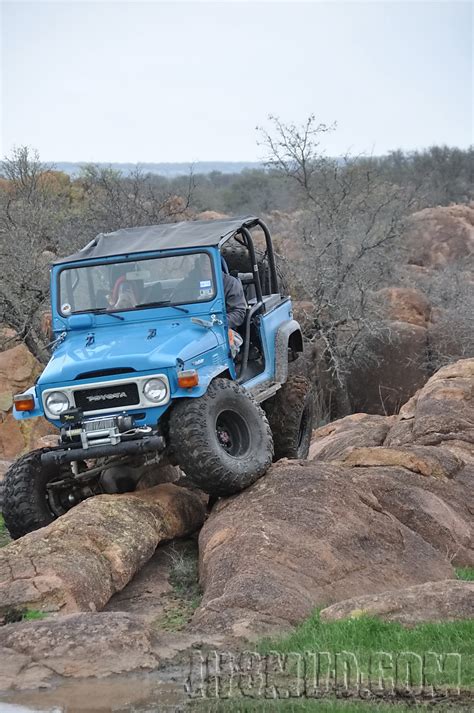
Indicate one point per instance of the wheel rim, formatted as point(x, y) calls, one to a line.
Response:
point(233, 434)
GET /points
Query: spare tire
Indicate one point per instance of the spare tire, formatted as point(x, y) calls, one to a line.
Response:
point(237, 258)
point(222, 440)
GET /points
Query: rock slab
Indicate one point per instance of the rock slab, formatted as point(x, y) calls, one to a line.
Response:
point(386, 503)
point(434, 601)
point(79, 561)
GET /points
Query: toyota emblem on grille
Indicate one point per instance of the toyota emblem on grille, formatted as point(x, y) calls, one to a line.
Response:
point(107, 397)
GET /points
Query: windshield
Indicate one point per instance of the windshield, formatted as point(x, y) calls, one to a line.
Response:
point(178, 279)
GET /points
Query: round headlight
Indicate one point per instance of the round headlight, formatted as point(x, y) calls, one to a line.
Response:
point(155, 390)
point(57, 402)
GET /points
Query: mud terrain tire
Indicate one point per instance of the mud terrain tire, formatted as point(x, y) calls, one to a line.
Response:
point(25, 507)
point(221, 440)
point(290, 414)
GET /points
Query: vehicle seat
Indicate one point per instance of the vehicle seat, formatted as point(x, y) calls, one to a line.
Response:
point(138, 287)
point(153, 293)
point(247, 280)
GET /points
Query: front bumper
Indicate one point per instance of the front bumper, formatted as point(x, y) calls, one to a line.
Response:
point(138, 446)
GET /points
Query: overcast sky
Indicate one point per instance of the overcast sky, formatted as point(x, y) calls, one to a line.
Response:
point(189, 81)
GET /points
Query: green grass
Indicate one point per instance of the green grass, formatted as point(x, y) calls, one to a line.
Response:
point(184, 575)
point(13, 616)
point(33, 615)
point(186, 595)
point(466, 573)
point(366, 635)
point(177, 615)
point(365, 638)
point(4, 536)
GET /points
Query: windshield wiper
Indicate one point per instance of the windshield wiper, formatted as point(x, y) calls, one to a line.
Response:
point(162, 303)
point(104, 310)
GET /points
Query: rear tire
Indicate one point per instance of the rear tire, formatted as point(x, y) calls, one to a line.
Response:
point(221, 440)
point(290, 414)
point(25, 504)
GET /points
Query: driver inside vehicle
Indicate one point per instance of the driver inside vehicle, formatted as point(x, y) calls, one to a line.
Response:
point(198, 285)
point(123, 292)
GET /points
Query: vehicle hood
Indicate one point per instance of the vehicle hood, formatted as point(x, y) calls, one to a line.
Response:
point(127, 345)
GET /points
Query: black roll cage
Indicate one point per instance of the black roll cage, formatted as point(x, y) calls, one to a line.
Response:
point(247, 242)
point(244, 231)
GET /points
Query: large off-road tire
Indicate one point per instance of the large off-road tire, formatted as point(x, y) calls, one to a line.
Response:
point(221, 440)
point(25, 504)
point(290, 414)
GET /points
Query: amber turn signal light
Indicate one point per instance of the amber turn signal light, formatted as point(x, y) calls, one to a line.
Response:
point(24, 402)
point(188, 379)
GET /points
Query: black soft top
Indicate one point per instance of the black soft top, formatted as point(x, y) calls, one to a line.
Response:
point(167, 236)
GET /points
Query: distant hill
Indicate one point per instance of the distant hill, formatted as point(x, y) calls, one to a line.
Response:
point(164, 169)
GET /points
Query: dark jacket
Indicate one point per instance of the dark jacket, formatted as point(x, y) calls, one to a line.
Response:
point(235, 302)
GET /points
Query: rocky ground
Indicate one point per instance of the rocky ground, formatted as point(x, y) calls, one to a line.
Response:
point(383, 503)
point(374, 522)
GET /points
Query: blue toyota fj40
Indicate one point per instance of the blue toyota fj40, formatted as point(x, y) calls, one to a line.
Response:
point(157, 379)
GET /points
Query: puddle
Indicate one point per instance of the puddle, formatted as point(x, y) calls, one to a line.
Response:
point(151, 692)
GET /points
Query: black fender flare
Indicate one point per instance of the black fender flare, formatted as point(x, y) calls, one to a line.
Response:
point(288, 335)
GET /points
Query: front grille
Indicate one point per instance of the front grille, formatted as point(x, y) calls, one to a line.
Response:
point(107, 397)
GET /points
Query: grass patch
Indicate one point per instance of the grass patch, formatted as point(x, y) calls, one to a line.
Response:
point(177, 615)
point(365, 636)
point(13, 616)
point(33, 615)
point(4, 536)
point(367, 650)
point(184, 574)
point(186, 595)
point(465, 573)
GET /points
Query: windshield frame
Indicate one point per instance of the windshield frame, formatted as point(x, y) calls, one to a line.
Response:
point(126, 259)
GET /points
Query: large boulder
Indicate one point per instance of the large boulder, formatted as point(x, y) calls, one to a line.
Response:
point(330, 442)
point(79, 561)
point(386, 503)
point(310, 534)
point(18, 371)
point(441, 235)
point(405, 304)
point(434, 601)
point(34, 653)
point(441, 413)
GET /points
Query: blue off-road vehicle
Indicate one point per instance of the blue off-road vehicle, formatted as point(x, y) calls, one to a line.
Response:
point(145, 370)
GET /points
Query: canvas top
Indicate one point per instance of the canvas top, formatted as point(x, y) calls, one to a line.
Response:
point(167, 236)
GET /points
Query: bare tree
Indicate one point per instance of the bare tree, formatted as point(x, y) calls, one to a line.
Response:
point(43, 215)
point(348, 241)
point(451, 292)
point(34, 206)
point(114, 201)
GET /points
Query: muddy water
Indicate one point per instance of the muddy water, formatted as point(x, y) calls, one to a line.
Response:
point(144, 693)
